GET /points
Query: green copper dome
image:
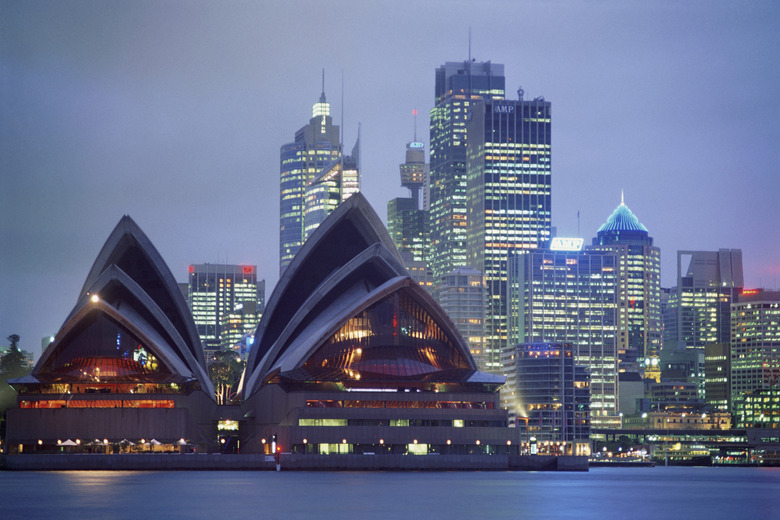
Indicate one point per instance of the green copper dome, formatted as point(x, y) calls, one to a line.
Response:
point(622, 219)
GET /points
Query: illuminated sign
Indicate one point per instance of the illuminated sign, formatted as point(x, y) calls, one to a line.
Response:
point(503, 109)
point(748, 292)
point(416, 144)
point(566, 244)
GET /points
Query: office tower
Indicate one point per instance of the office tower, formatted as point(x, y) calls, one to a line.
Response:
point(407, 223)
point(462, 296)
point(755, 342)
point(698, 311)
point(571, 296)
point(337, 181)
point(639, 339)
point(508, 195)
point(420, 271)
point(218, 291)
point(314, 179)
point(458, 86)
point(547, 394)
point(717, 374)
point(239, 324)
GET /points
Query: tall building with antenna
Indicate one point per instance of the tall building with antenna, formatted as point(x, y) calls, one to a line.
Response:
point(315, 177)
point(639, 294)
point(508, 200)
point(458, 86)
point(407, 222)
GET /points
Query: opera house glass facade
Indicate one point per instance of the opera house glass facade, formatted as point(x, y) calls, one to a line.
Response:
point(353, 356)
point(127, 364)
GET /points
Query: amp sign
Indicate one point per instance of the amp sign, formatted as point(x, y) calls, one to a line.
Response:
point(503, 109)
point(566, 244)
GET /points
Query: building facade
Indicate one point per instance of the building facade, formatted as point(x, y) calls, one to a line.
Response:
point(547, 393)
point(639, 290)
point(458, 86)
point(699, 307)
point(226, 302)
point(560, 296)
point(755, 342)
point(508, 200)
point(462, 296)
point(314, 179)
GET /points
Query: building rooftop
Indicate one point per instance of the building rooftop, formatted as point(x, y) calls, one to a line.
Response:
point(622, 219)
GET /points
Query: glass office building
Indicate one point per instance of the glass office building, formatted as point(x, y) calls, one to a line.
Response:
point(572, 297)
point(458, 86)
point(221, 295)
point(314, 178)
point(508, 200)
point(639, 276)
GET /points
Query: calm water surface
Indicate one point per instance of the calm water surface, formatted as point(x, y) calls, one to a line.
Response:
point(603, 493)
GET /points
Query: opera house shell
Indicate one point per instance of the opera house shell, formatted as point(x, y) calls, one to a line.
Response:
point(127, 364)
point(353, 356)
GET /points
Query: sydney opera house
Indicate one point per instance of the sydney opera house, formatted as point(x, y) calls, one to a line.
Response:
point(351, 356)
point(127, 364)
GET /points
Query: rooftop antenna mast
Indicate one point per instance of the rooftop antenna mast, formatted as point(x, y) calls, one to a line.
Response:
point(578, 224)
point(469, 44)
point(414, 113)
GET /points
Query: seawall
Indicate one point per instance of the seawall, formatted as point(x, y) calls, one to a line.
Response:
point(294, 462)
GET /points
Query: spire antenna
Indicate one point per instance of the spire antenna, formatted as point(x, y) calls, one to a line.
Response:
point(621, 198)
point(469, 43)
point(414, 113)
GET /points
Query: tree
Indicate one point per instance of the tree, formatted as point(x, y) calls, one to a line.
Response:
point(225, 373)
point(12, 365)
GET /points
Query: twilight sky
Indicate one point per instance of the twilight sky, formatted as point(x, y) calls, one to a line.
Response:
point(174, 111)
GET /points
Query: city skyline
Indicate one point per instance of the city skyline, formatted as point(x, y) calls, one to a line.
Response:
point(122, 109)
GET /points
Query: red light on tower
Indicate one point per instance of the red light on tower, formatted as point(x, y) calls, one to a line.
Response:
point(192, 269)
point(248, 269)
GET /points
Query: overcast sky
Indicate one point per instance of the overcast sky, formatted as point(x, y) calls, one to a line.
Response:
point(174, 111)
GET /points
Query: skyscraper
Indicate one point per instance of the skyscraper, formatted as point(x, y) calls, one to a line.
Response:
point(219, 291)
point(458, 86)
point(334, 184)
point(699, 307)
point(462, 296)
point(755, 343)
point(639, 289)
point(314, 179)
point(547, 389)
point(698, 311)
point(571, 296)
point(508, 199)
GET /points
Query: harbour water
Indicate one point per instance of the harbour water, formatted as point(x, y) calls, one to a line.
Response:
point(659, 493)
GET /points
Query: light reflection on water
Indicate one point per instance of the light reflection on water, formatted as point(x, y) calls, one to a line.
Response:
point(604, 493)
